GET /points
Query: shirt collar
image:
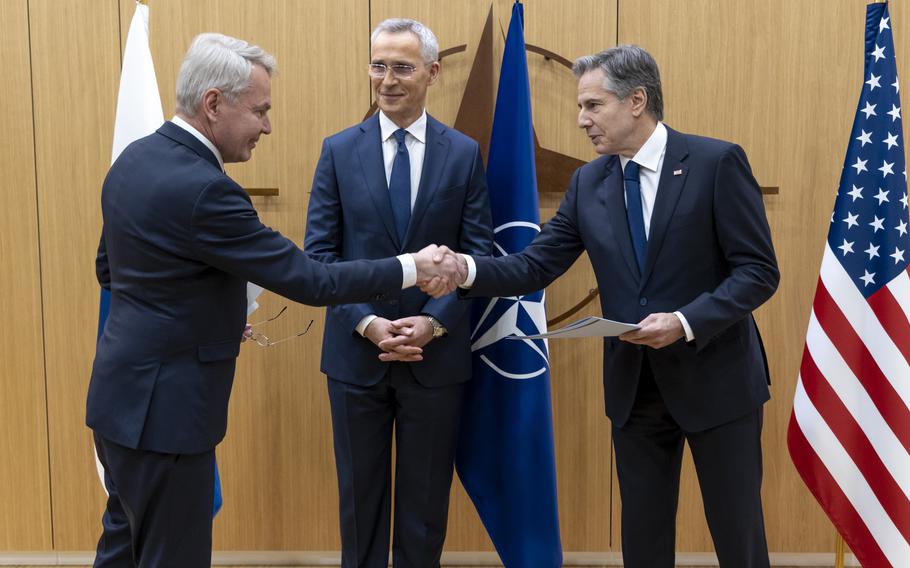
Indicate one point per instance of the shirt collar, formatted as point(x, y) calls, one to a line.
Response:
point(199, 136)
point(650, 153)
point(417, 129)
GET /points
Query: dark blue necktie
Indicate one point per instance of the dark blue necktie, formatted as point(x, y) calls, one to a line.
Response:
point(633, 211)
point(400, 186)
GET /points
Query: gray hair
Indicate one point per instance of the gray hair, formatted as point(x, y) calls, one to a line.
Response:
point(429, 46)
point(626, 68)
point(217, 61)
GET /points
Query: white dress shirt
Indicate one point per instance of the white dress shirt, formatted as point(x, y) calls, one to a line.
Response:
point(651, 159)
point(408, 266)
point(415, 139)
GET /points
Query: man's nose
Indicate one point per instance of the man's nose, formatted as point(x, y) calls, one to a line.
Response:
point(266, 126)
point(583, 120)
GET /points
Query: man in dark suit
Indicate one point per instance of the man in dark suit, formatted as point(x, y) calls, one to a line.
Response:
point(180, 241)
point(676, 232)
point(399, 180)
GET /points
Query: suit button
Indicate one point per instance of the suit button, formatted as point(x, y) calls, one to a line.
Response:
point(643, 302)
point(378, 297)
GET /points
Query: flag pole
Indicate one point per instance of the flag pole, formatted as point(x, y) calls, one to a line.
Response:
point(839, 551)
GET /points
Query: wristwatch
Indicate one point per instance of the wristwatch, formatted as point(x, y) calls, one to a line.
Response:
point(438, 329)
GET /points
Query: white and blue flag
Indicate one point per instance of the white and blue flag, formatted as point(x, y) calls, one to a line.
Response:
point(505, 458)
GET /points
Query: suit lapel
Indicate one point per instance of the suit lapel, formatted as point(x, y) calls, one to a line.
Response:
point(369, 150)
point(435, 156)
point(613, 197)
point(672, 180)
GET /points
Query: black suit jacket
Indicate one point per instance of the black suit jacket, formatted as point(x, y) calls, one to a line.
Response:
point(709, 256)
point(179, 243)
point(350, 217)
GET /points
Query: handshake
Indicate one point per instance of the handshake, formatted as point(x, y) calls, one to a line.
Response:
point(439, 270)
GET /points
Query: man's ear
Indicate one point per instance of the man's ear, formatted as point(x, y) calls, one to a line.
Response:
point(434, 72)
point(639, 101)
point(212, 100)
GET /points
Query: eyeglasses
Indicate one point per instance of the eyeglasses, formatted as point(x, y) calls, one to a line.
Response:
point(263, 340)
point(399, 70)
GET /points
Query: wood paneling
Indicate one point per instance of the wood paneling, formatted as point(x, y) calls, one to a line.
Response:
point(75, 60)
point(780, 78)
point(75, 64)
point(25, 518)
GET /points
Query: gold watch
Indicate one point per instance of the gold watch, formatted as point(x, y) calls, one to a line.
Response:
point(438, 329)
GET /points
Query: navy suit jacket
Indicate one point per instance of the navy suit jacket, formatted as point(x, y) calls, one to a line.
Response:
point(179, 243)
point(350, 217)
point(709, 256)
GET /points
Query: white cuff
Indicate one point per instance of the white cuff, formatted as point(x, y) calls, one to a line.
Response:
point(682, 319)
point(364, 323)
point(472, 271)
point(408, 270)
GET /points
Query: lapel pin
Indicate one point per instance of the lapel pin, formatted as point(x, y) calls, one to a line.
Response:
point(677, 172)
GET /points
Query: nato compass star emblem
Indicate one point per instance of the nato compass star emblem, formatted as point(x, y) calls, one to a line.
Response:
point(515, 315)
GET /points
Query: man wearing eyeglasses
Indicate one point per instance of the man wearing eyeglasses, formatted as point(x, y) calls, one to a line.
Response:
point(397, 181)
point(179, 243)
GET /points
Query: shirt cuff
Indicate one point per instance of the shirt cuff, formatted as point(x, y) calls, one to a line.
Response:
point(682, 319)
point(366, 321)
point(472, 271)
point(408, 270)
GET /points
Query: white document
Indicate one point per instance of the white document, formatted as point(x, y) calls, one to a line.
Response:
point(252, 292)
point(585, 327)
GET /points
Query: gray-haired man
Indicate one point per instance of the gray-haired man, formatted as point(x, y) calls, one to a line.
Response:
point(180, 241)
point(399, 180)
point(676, 232)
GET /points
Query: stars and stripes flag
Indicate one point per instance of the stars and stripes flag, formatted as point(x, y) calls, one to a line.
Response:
point(849, 434)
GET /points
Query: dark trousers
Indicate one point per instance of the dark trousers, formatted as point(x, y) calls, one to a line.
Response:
point(159, 508)
point(426, 430)
point(728, 462)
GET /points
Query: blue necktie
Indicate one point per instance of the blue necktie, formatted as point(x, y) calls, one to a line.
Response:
point(634, 212)
point(400, 186)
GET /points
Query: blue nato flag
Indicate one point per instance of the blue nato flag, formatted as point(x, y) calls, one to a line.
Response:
point(505, 457)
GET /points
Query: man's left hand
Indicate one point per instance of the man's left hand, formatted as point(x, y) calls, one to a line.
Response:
point(656, 330)
point(420, 333)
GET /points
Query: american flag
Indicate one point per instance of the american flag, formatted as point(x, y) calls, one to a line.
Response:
point(849, 434)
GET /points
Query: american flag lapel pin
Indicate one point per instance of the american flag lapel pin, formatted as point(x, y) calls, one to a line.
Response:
point(677, 172)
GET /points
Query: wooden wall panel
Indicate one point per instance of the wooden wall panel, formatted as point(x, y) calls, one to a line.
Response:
point(779, 78)
point(25, 518)
point(76, 62)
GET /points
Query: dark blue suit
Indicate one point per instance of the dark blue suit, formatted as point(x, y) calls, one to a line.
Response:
point(709, 256)
point(350, 217)
point(180, 241)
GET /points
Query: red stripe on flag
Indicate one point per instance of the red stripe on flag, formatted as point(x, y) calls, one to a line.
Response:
point(851, 436)
point(854, 352)
point(892, 318)
point(829, 495)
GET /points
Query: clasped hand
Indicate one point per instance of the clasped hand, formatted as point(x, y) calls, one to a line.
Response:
point(439, 270)
point(402, 339)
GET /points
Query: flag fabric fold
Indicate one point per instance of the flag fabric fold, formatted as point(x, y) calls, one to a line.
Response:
point(849, 433)
point(138, 114)
point(506, 458)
